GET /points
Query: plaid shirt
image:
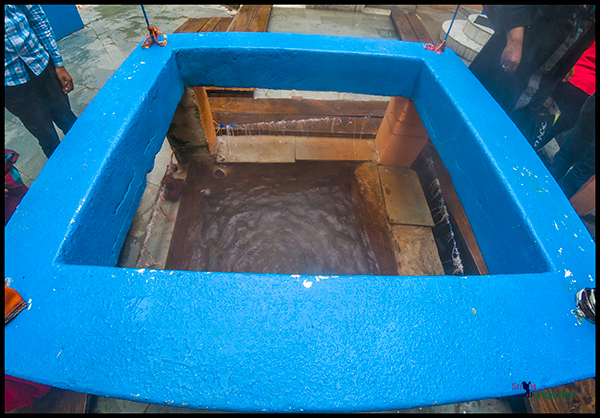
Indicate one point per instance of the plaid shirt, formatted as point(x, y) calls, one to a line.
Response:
point(28, 40)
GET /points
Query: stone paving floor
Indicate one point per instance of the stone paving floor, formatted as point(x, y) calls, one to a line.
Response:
point(112, 32)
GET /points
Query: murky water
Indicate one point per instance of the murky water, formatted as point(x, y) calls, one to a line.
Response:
point(275, 218)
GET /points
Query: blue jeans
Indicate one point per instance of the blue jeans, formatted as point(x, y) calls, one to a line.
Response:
point(578, 153)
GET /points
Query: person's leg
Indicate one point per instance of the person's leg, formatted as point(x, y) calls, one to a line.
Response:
point(581, 172)
point(564, 158)
point(26, 103)
point(579, 140)
point(569, 100)
point(57, 102)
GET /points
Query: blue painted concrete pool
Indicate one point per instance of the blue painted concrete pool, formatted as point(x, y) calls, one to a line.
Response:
point(254, 342)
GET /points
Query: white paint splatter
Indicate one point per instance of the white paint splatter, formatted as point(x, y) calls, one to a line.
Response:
point(559, 251)
point(29, 304)
point(296, 276)
point(306, 283)
point(141, 270)
point(59, 353)
point(568, 273)
point(556, 225)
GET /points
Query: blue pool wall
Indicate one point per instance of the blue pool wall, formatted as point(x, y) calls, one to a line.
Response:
point(498, 212)
point(250, 342)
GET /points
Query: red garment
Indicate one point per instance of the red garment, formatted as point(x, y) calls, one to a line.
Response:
point(19, 393)
point(13, 183)
point(584, 77)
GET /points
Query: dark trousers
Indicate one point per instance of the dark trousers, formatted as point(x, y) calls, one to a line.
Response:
point(570, 100)
point(38, 103)
point(578, 152)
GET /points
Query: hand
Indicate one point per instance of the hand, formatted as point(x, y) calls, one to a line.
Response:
point(65, 79)
point(511, 56)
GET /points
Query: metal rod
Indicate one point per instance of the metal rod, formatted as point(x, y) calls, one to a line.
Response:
point(146, 17)
point(451, 23)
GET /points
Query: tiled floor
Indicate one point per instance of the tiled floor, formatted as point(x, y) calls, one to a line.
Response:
point(111, 33)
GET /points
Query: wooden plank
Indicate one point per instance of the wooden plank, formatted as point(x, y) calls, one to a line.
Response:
point(419, 29)
point(299, 107)
point(462, 227)
point(403, 26)
point(585, 199)
point(252, 111)
point(192, 25)
point(57, 401)
point(583, 399)
point(251, 18)
point(261, 20)
point(205, 116)
point(230, 92)
point(243, 17)
point(257, 123)
point(223, 24)
point(211, 24)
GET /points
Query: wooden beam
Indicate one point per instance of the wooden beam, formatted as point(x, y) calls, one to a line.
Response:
point(192, 25)
point(223, 25)
point(251, 18)
point(401, 136)
point(299, 107)
point(204, 24)
point(419, 29)
point(403, 26)
point(581, 399)
point(211, 24)
point(205, 116)
point(460, 222)
point(359, 119)
point(585, 199)
point(351, 127)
